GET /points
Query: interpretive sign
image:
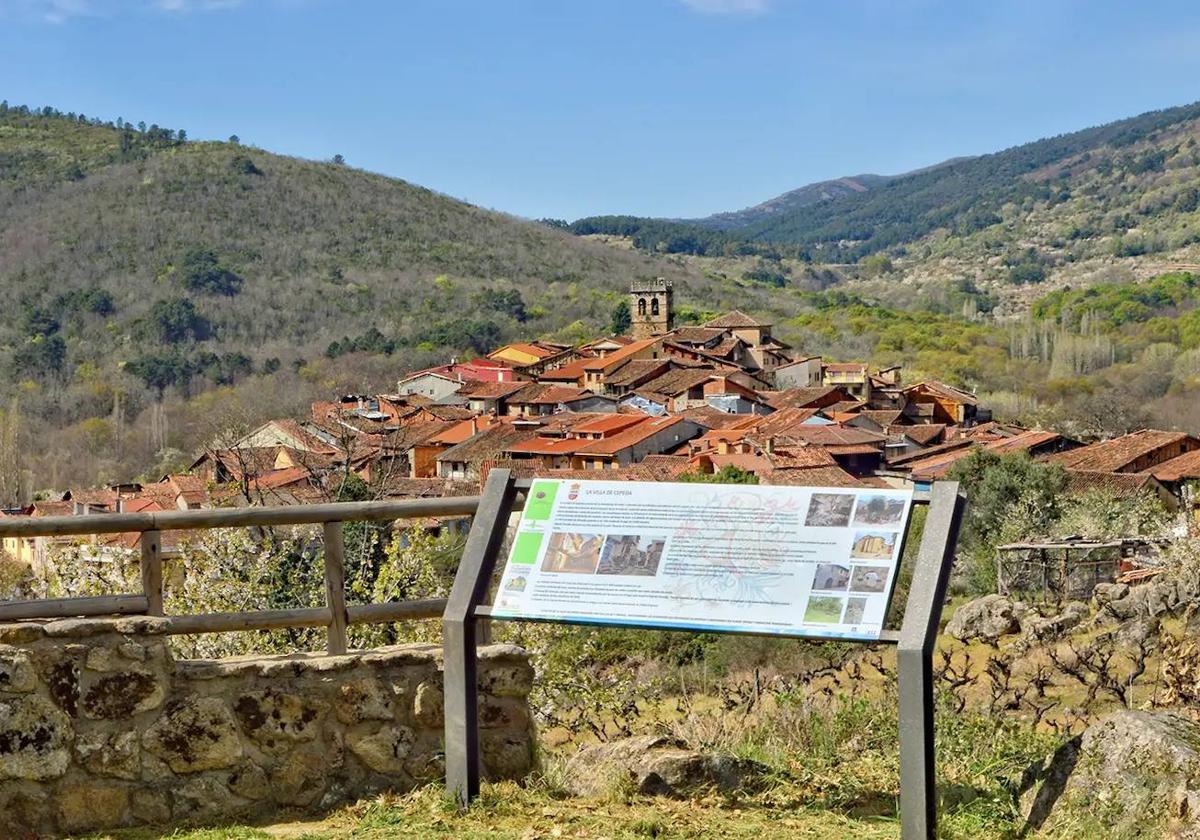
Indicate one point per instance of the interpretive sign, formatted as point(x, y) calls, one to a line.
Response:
point(795, 561)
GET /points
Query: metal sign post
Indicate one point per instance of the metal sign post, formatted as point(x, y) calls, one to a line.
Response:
point(914, 654)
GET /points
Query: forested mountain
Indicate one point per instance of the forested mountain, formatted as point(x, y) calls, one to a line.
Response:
point(791, 201)
point(140, 269)
point(1072, 194)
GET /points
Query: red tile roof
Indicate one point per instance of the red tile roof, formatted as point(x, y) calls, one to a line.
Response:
point(609, 425)
point(629, 437)
point(736, 319)
point(1184, 467)
point(1120, 453)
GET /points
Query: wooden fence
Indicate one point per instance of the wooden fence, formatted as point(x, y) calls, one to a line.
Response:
point(336, 615)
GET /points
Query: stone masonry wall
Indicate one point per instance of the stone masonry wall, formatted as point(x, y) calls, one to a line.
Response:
point(100, 727)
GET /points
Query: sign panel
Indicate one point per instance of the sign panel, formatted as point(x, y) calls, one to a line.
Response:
point(797, 561)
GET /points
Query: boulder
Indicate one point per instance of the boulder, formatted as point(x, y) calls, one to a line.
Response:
point(1130, 768)
point(88, 806)
point(17, 674)
point(1043, 629)
point(117, 754)
point(384, 749)
point(1145, 601)
point(276, 720)
point(195, 734)
point(989, 618)
point(657, 766)
point(35, 738)
point(1107, 592)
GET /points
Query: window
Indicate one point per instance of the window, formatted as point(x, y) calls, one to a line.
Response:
point(641, 306)
point(654, 306)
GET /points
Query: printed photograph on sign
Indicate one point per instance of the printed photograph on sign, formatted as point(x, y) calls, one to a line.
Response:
point(873, 545)
point(831, 576)
point(570, 552)
point(627, 554)
point(823, 609)
point(869, 578)
point(856, 609)
point(829, 510)
point(517, 584)
point(878, 509)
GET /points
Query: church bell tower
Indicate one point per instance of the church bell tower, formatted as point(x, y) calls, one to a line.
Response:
point(650, 308)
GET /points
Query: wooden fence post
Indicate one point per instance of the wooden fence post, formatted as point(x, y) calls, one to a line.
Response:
point(151, 571)
point(335, 586)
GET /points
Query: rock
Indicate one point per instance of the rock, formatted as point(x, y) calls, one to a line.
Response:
point(20, 633)
point(22, 812)
point(276, 720)
point(203, 799)
point(506, 755)
point(657, 766)
point(118, 754)
point(35, 738)
point(87, 807)
point(502, 712)
point(1106, 592)
point(1138, 632)
point(119, 695)
point(430, 705)
point(62, 678)
point(151, 807)
point(250, 782)
point(1145, 601)
point(1129, 768)
point(17, 674)
point(989, 618)
point(195, 734)
point(383, 750)
point(302, 777)
point(1043, 629)
point(360, 701)
point(504, 671)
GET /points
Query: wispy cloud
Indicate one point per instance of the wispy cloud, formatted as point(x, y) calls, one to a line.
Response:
point(728, 7)
point(60, 11)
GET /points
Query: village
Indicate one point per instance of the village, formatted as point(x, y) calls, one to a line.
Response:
point(660, 403)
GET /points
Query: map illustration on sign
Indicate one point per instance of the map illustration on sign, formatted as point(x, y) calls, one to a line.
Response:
point(796, 561)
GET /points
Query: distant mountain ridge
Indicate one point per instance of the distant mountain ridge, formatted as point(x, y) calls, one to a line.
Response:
point(1131, 163)
point(791, 200)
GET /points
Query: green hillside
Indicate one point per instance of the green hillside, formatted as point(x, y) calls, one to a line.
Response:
point(142, 271)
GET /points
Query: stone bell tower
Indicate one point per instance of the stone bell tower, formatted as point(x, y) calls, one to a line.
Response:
point(650, 308)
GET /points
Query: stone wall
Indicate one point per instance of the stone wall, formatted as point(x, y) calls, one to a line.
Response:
point(100, 727)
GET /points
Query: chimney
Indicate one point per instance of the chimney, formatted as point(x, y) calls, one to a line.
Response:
point(474, 425)
point(770, 446)
point(722, 447)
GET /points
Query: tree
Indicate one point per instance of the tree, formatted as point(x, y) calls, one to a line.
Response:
point(1009, 497)
point(339, 160)
point(201, 271)
point(234, 139)
point(175, 320)
point(509, 302)
point(622, 320)
point(728, 474)
point(42, 356)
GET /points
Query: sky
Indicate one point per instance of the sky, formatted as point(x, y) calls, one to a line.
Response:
point(563, 109)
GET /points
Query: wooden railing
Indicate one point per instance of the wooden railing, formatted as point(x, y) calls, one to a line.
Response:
point(336, 615)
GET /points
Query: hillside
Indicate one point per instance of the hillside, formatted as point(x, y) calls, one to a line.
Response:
point(1059, 209)
point(790, 201)
point(143, 269)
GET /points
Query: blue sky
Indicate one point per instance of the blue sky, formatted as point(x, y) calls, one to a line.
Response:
point(570, 108)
